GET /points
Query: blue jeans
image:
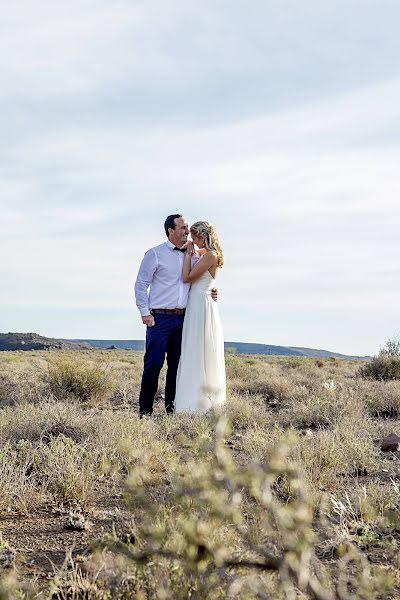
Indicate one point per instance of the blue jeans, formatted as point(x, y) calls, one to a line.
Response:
point(164, 339)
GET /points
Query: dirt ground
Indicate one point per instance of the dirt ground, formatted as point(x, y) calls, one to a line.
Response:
point(43, 544)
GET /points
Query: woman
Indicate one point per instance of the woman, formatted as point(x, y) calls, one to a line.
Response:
point(201, 383)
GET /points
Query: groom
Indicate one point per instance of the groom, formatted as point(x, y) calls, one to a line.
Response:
point(163, 310)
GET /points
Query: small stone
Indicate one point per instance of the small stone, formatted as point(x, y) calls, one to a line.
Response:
point(7, 558)
point(307, 433)
point(391, 443)
point(75, 521)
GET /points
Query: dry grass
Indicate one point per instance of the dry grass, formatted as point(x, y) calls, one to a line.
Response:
point(69, 427)
point(382, 399)
point(69, 377)
point(19, 490)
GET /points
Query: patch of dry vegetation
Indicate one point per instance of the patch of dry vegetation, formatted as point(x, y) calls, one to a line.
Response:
point(385, 366)
point(286, 495)
point(69, 377)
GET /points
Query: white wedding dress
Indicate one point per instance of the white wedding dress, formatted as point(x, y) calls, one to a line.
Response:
point(201, 382)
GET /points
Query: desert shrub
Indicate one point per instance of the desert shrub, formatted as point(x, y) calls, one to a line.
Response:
point(19, 385)
point(321, 409)
point(382, 398)
point(121, 441)
point(326, 457)
point(18, 487)
point(367, 504)
point(12, 589)
point(360, 454)
point(127, 374)
point(7, 390)
point(71, 583)
point(127, 388)
point(187, 431)
point(47, 419)
point(189, 425)
point(271, 387)
point(235, 365)
point(294, 362)
point(245, 409)
point(258, 443)
point(384, 366)
point(73, 377)
point(68, 469)
point(250, 361)
point(329, 458)
point(365, 516)
point(104, 437)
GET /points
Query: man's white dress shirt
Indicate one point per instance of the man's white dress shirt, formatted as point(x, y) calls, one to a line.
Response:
point(161, 271)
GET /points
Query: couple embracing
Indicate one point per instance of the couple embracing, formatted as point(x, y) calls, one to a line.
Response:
point(177, 300)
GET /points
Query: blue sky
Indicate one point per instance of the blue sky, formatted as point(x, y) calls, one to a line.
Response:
point(277, 121)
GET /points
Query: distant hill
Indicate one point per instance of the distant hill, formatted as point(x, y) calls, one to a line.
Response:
point(239, 347)
point(312, 353)
point(33, 341)
point(120, 344)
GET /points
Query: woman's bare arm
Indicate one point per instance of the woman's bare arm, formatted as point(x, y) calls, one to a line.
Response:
point(208, 260)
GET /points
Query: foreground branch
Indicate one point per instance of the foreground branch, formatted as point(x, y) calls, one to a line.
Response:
point(270, 563)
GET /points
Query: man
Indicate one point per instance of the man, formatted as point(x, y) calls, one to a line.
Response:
point(162, 309)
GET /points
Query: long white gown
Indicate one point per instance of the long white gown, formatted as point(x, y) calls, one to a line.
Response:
point(201, 382)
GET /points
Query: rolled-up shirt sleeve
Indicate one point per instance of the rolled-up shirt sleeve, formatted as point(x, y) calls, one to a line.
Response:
point(143, 281)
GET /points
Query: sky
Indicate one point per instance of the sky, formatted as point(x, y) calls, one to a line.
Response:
point(278, 121)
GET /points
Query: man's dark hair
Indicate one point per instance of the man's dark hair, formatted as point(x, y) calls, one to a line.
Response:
point(170, 222)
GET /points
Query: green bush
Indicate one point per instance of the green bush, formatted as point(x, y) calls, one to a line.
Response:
point(383, 367)
point(386, 365)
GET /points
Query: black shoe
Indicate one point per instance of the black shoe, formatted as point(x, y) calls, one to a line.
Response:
point(144, 414)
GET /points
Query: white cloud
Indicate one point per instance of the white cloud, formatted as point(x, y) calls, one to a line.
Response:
point(282, 163)
point(51, 48)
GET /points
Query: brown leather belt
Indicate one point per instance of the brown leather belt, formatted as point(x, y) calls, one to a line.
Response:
point(168, 311)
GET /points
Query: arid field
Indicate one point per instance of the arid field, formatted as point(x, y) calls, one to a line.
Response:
point(285, 494)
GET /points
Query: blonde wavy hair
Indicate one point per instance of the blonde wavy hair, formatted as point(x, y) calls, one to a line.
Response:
point(209, 234)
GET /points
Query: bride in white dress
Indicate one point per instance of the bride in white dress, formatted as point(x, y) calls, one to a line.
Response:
point(201, 382)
